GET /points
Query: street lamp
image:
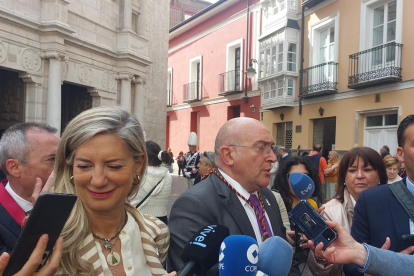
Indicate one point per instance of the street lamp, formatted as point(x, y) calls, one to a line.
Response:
point(251, 72)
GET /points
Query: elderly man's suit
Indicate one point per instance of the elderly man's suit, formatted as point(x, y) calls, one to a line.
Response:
point(213, 202)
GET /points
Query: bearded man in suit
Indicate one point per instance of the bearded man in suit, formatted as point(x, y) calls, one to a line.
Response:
point(230, 195)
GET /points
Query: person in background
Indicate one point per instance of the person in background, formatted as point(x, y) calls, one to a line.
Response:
point(315, 157)
point(283, 192)
point(206, 166)
point(235, 195)
point(385, 149)
point(331, 183)
point(180, 162)
point(304, 154)
point(102, 159)
point(380, 212)
point(283, 153)
point(27, 157)
point(273, 171)
point(361, 168)
point(192, 158)
point(392, 166)
point(171, 162)
point(402, 173)
point(155, 187)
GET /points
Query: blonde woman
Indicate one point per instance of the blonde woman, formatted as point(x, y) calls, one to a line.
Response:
point(332, 177)
point(102, 158)
point(392, 166)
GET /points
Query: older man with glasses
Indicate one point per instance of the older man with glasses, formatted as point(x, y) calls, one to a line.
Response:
point(234, 195)
point(205, 166)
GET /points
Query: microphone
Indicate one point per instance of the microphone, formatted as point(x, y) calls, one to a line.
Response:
point(302, 185)
point(239, 255)
point(200, 253)
point(312, 203)
point(275, 257)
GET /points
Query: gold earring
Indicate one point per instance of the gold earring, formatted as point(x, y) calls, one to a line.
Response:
point(71, 180)
point(136, 182)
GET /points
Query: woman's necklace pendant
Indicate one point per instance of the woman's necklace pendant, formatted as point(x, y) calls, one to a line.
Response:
point(113, 258)
point(108, 244)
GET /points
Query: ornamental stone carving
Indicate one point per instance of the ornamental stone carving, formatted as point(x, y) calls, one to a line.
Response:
point(85, 74)
point(3, 52)
point(64, 68)
point(30, 59)
point(108, 80)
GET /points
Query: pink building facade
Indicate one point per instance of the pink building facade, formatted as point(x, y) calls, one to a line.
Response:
point(206, 72)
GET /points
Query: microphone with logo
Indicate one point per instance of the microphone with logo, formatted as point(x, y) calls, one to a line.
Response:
point(238, 256)
point(275, 257)
point(303, 187)
point(200, 253)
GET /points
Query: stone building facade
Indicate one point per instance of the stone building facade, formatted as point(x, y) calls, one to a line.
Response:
point(60, 57)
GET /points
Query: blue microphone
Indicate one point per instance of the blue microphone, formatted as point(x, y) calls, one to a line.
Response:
point(275, 257)
point(302, 185)
point(239, 255)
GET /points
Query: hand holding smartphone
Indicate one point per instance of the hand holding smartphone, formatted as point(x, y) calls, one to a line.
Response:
point(48, 216)
point(304, 216)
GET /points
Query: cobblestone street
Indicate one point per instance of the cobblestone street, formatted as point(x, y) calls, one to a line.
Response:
point(179, 186)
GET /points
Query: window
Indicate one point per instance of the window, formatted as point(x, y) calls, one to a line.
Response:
point(290, 87)
point(384, 27)
point(135, 22)
point(194, 90)
point(292, 4)
point(291, 57)
point(284, 135)
point(324, 37)
point(169, 87)
point(382, 120)
point(276, 89)
point(271, 60)
point(232, 78)
point(381, 23)
point(274, 7)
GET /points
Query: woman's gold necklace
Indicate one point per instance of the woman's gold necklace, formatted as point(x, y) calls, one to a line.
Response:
point(113, 258)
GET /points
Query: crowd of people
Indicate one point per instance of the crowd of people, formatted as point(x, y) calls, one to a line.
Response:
point(119, 224)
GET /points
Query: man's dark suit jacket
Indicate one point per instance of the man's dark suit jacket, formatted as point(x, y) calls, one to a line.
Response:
point(378, 215)
point(9, 231)
point(213, 202)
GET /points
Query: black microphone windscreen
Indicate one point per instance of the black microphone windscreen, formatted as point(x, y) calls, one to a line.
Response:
point(204, 246)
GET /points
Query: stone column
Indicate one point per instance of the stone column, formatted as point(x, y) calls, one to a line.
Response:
point(102, 97)
point(125, 90)
point(54, 92)
point(34, 97)
point(139, 102)
point(127, 14)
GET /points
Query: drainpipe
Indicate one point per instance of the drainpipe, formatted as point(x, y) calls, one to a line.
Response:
point(302, 37)
point(245, 98)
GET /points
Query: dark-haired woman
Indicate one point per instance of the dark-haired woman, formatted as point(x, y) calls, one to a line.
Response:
point(361, 168)
point(282, 191)
point(156, 182)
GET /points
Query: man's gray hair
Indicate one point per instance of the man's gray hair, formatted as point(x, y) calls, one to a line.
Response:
point(209, 158)
point(14, 143)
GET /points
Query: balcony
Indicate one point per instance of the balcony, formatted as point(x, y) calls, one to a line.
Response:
point(230, 83)
point(318, 80)
point(379, 65)
point(278, 102)
point(192, 92)
point(310, 3)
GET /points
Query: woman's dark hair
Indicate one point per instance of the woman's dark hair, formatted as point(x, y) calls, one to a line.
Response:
point(152, 150)
point(369, 156)
point(281, 183)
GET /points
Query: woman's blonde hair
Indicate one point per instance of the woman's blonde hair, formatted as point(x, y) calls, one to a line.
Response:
point(101, 120)
point(391, 161)
point(335, 156)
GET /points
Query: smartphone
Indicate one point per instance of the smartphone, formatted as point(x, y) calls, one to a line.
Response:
point(48, 216)
point(304, 216)
point(406, 241)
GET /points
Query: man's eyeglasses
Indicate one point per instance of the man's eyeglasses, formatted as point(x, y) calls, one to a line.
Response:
point(263, 149)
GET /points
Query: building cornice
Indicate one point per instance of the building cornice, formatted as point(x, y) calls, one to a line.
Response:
point(216, 100)
point(214, 28)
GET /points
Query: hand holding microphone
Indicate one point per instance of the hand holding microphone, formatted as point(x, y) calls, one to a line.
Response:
point(201, 252)
point(239, 255)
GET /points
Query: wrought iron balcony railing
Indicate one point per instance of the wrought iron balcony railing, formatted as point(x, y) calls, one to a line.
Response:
point(319, 80)
point(378, 65)
point(230, 82)
point(192, 92)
